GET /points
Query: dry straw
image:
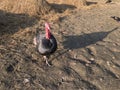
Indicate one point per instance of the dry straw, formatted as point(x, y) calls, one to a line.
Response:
point(31, 7)
point(35, 7)
point(76, 3)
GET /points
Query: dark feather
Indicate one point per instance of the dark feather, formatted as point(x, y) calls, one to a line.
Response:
point(46, 46)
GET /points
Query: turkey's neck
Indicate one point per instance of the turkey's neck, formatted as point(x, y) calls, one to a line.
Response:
point(48, 34)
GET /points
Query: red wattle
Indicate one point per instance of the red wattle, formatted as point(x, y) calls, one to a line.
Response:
point(47, 30)
point(47, 33)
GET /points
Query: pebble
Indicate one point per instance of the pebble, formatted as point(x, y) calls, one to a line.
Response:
point(92, 59)
point(101, 79)
point(69, 50)
point(92, 50)
point(108, 63)
point(26, 80)
point(113, 57)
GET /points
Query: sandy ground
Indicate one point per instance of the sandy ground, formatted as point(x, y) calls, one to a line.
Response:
point(88, 55)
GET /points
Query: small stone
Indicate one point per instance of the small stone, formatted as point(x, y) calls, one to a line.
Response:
point(113, 66)
point(108, 63)
point(69, 50)
point(86, 64)
point(83, 58)
point(113, 57)
point(75, 56)
point(26, 80)
point(101, 79)
point(92, 59)
point(92, 50)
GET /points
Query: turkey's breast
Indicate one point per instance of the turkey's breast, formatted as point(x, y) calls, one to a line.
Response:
point(46, 46)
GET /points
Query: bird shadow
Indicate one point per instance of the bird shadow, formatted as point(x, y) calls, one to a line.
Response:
point(11, 22)
point(80, 41)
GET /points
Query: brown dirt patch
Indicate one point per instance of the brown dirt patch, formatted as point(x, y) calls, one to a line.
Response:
point(88, 55)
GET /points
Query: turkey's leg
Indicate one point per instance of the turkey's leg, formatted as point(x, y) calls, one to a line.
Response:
point(46, 60)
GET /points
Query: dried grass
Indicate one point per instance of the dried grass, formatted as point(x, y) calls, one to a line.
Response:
point(76, 3)
point(37, 7)
point(30, 7)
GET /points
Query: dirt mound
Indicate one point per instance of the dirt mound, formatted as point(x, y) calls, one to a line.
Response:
point(25, 6)
point(76, 3)
point(39, 7)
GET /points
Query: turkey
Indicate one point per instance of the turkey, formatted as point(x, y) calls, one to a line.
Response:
point(46, 43)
